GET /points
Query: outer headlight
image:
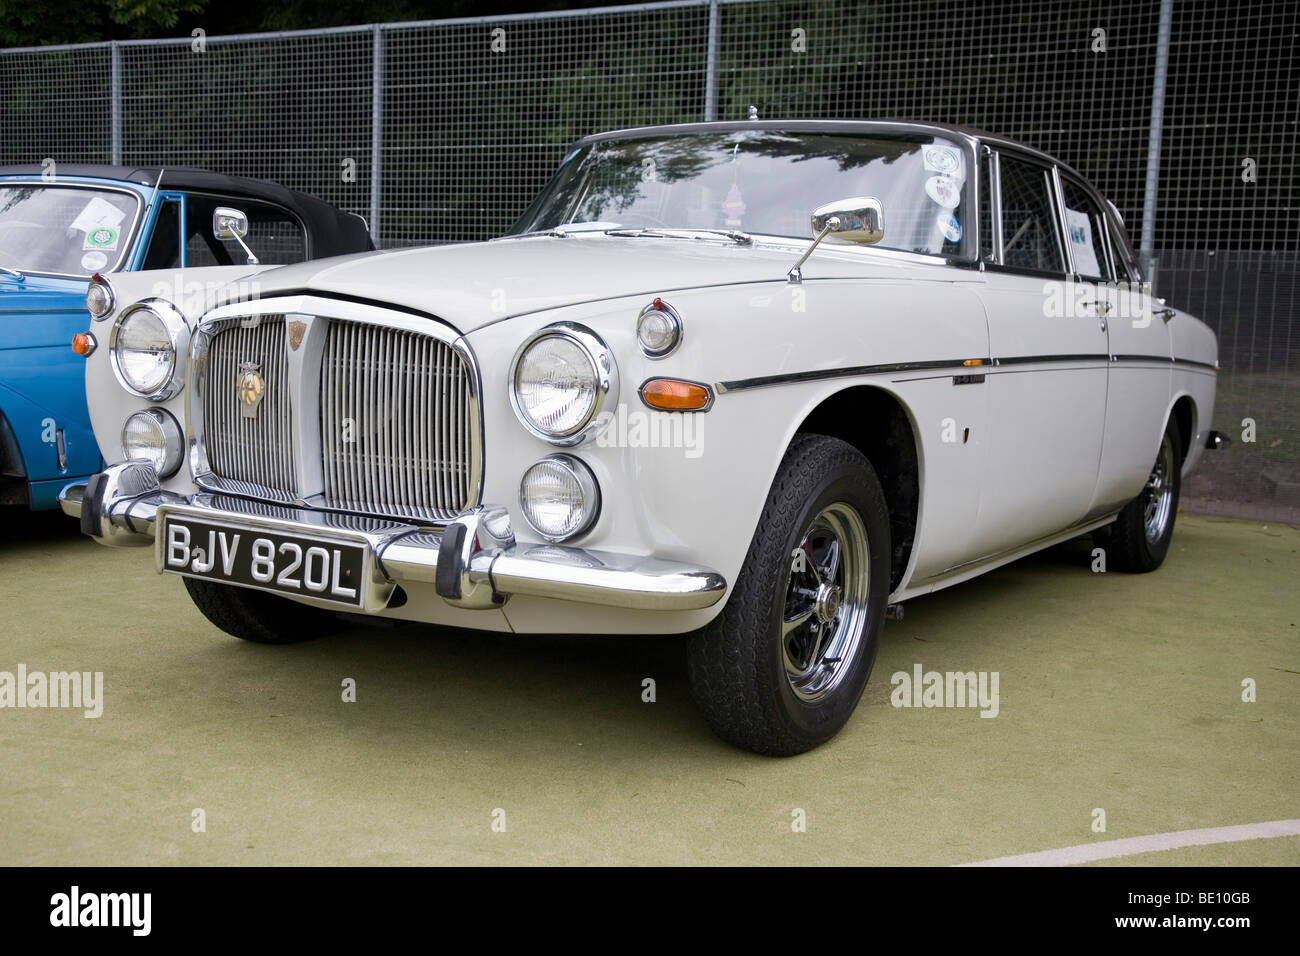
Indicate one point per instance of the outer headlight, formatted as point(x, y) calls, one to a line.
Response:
point(145, 344)
point(153, 435)
point(560, 380)
point(560, 497)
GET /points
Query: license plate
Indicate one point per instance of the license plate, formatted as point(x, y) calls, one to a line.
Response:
point(267, 560)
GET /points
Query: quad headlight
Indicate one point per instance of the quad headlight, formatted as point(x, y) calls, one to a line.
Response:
point(152, 435)
point(145, 346)
point(560, 497)
point(561, 379)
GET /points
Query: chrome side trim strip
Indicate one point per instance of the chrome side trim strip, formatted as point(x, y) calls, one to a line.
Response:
point(986, 366)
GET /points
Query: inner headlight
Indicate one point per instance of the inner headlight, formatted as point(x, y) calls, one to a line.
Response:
point(560, 380)
point(154, 436)
point(560, 497)
point(144, 346)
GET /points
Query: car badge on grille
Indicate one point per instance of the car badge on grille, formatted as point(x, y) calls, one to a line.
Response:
point(296, 330)
point(250, 387)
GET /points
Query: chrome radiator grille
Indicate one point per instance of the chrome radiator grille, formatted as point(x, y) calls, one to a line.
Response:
point(254, 451)
point(395, 423)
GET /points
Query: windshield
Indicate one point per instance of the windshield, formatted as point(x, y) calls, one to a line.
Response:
point(762, 181)
point(64, 230)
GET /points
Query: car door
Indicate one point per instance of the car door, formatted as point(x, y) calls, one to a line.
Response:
point(1141, 373)
point(1047, 385)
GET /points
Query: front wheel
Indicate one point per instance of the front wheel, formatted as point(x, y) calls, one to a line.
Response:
point(1139, 538)
point(781, 668)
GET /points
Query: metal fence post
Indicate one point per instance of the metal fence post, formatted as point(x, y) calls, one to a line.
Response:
point(115, 105)
point(376, 127)
point(711, 66)
point(1147, 248)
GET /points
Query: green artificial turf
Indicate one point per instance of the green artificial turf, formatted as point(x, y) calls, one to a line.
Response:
point(1116, 692)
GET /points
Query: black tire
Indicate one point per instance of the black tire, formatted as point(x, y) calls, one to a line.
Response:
point(1128, 543)
point(739, 662)
point(257, 616)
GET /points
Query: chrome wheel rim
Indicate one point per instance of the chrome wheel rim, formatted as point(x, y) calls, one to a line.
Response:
point(826, 602)
point(1158, 496)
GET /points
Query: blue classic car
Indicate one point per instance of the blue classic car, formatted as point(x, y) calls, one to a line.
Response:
point(60, 227)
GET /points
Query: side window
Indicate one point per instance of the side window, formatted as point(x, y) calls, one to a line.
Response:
point(1030, 233)
point(273, 234)
point(165, 244)
point(1087, 229)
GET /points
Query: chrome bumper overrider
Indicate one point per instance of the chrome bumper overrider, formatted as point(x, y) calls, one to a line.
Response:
point(472, 562)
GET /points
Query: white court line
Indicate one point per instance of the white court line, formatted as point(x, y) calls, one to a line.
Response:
point(1108, 849)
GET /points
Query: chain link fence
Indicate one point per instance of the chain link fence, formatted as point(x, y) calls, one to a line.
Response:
point(1185, 114)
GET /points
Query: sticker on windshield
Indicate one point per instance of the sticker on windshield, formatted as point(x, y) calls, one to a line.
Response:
point(94, 261)
point(950, 228)
point(943, 190)
point(101, 237)
point(98, 213)
point(942, 159)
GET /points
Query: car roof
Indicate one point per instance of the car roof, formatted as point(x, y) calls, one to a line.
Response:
point(970, 133)
point(332, 231)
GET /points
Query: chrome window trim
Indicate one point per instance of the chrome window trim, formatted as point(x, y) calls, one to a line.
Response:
point(1062, 225)
point(316, 312)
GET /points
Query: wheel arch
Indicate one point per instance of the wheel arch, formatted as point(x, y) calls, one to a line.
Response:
point(876, 423)
point(1183, 413)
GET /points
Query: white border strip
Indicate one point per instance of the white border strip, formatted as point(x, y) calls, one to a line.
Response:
point(1108, 849)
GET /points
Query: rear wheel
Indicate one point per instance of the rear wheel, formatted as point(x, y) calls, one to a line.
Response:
point(257, 616)
point(781, 668)
point(1139, 538)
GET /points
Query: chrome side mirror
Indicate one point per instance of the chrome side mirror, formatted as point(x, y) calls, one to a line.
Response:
point(229, 224)
point(860, 220)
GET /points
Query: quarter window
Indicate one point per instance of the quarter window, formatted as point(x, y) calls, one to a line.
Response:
point(1087, 226)
point(274, 235)
point(1030, 233)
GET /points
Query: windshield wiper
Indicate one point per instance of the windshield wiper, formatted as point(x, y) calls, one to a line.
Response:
point(13, 272)
point(735, 235)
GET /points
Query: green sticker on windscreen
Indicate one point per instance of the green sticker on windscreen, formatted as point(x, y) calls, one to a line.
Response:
point(101, 237)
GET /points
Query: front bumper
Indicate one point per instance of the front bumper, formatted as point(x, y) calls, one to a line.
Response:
point(472, 562)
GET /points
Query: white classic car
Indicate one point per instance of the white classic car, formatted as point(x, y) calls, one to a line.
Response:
point(757, 382)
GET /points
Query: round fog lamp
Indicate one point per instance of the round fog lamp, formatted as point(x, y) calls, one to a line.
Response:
point(560, 497)
point(152, 435)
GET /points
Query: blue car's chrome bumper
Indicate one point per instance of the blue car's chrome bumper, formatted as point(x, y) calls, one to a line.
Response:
point(473, 561)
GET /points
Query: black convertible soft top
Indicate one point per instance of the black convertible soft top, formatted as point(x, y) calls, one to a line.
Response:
point(330, 230)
